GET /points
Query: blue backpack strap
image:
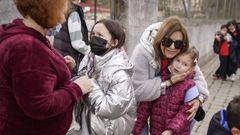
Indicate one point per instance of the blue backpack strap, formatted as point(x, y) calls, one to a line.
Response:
point(223, 120)
point(191, 94)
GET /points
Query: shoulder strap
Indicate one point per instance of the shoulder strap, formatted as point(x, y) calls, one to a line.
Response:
point(223, 120)
point(191, 94)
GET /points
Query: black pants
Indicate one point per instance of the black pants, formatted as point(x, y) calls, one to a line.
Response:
point(232, 67)
point(223, 68)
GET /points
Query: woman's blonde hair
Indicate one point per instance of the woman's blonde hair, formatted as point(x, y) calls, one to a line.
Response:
point(168, 27)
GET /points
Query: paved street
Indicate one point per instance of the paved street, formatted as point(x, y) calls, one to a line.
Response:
point(221, 92)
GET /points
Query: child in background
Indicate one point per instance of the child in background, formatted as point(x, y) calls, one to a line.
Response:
point(72, 39)
point(168, 114)
point(222, 39)
point(226, 122)
point(234, 49)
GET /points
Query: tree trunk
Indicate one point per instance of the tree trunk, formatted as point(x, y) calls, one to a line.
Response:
point(185, 8)
point(139, 15)
point(225, 9)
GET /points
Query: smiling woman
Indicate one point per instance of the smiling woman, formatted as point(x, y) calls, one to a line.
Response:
point(173, 45)
point(173, 29)
point(159, 44)
point(169, 110)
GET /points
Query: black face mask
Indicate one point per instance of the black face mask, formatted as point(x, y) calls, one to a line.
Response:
point(98, 45)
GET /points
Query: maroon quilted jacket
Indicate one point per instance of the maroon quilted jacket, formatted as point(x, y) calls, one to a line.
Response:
point(168, 112)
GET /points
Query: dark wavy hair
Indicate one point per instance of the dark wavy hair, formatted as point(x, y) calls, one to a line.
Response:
point(115, 29)
point(233, 113)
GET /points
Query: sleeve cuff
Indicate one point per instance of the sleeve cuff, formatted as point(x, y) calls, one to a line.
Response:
point(201, 99)
point(76, 91)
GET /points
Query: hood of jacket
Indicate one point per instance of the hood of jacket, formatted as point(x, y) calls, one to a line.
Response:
point(147, 40)
point(148, 37)
point(17, 27)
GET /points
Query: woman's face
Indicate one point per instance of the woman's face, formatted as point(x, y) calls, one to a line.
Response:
point(181, 64)
point(101, 31)
point(170, 52)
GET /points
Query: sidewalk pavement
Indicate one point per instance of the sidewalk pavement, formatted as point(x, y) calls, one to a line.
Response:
point(221, 93)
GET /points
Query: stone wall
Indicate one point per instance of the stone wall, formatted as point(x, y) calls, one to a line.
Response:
point(141, 13)
point(8, 11)
point(201, 35)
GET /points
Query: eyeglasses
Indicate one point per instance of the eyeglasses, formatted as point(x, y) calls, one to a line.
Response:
point(167, 42)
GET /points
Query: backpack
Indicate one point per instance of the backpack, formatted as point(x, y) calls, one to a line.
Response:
point(216, 47)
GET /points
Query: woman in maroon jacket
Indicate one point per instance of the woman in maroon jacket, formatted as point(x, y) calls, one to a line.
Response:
point(37, 95)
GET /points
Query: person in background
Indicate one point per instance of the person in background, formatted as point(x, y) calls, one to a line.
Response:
point(72, 39)
point(111, 106)
point(222, 40)
point(234, 49)
point(226, 122)
point(168, 114)
point(37, 94)
point(150, 58)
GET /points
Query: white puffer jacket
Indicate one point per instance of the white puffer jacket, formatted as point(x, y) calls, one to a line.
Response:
point(112, 103)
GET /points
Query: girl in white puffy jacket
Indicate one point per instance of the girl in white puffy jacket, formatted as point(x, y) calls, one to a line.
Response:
point(110, 108)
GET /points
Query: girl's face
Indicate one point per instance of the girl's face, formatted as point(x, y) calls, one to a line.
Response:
point(101, 31)
point(181, 64)
point(171, 51)
point(224, 31)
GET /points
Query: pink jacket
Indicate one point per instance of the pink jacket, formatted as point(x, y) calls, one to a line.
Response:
point(168, 112)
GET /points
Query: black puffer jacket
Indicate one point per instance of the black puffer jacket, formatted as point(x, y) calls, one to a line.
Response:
point(62, 40)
